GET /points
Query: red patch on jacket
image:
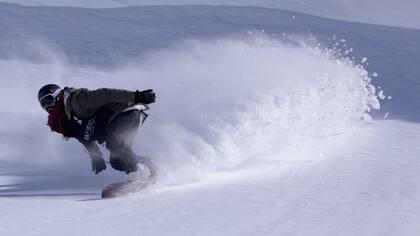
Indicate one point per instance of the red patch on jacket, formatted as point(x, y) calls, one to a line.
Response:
point(57, 118)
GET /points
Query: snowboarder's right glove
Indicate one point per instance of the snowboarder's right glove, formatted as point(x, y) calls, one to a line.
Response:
point(145, 97)
point(98, 164)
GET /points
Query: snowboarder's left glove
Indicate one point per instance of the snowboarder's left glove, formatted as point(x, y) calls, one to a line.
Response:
point(98, 164)
point(145, 97)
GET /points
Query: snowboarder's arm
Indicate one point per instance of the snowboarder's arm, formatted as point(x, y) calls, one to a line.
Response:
point(98, 163)
point(92, 99)
point(92, 148)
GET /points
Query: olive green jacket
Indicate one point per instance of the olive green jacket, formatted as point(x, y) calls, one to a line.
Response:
point(84, 103)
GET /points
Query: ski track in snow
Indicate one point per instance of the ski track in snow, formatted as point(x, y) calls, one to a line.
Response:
point(247, 142)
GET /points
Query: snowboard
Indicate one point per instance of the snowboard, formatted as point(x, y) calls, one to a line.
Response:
point(140, 180)
point(122, 188)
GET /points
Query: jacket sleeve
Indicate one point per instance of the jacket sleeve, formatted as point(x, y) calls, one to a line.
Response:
point(92, 148)
point(93, 99)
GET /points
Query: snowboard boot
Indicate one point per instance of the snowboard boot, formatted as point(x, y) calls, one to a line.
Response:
point(147, 162)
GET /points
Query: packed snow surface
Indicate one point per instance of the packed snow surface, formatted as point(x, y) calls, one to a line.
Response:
point(266, 122)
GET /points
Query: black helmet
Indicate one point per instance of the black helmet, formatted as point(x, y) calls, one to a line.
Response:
point(47, 95)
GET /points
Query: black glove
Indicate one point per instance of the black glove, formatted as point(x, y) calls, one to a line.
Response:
point(145, 97)
point(98, 164)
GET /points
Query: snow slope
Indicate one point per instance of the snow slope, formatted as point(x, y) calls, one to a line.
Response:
point(403, 13)
point(256, 131)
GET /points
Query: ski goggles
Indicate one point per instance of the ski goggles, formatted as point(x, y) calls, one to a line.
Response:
point(48, 101)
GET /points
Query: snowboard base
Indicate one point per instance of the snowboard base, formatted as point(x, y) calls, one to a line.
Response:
point(142, 178)
point(122, 188)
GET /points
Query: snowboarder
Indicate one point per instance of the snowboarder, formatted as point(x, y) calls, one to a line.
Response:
point(110, 116)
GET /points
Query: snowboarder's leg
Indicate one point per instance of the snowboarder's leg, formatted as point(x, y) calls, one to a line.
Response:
point(120, 137)
point(123, 162)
